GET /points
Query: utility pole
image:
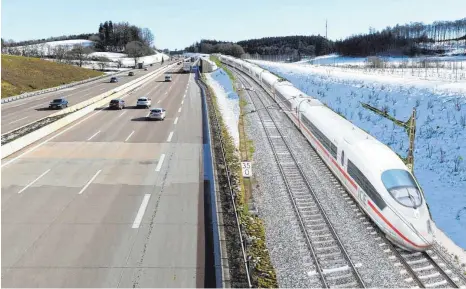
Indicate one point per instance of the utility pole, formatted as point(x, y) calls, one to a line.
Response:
point(409, 126)
point(326, 29)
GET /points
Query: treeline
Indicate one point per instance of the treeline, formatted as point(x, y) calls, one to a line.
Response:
point(288, 45)
point(409, 39)
point(114, 37)
point(214, 46)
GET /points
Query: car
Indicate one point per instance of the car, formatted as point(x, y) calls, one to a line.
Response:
point(58, 103)
point(168, 77)
point(157, 113)
point(117, 103)
point(145, 69)
point(113, 79)
point(144, 102)
point(131, 73)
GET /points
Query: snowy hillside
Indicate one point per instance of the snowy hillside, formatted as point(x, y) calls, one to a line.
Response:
point(440, 152)
point(47, 48)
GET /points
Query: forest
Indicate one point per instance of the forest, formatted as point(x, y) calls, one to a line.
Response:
point(409, 39)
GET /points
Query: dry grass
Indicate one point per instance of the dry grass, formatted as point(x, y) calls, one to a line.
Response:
point(24, 74)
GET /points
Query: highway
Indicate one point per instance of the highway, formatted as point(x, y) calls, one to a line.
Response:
point(112, 200)
point(21, 112)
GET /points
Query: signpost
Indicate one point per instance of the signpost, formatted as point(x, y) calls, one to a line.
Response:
point(246, 169)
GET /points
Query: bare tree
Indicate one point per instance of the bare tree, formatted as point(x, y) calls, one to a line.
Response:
point(135, 49)
point(119, 63)
point(147, 36)
point(80, 53)
point(103, 62)
point(60, 52)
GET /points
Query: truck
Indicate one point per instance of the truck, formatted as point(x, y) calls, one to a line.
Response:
point(186, 66)
point(141, 65)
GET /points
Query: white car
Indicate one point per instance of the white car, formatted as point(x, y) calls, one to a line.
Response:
point(157, 113)
point(144, 102)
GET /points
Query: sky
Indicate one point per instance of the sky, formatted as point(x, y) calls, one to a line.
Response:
point(177, 24)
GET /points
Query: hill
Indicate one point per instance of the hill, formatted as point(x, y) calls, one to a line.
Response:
point(24, 74)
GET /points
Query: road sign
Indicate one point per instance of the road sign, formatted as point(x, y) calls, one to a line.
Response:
point(246, 168)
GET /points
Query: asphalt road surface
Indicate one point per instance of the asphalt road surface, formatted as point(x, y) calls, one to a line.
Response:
point(112, 200)
point(21, 112)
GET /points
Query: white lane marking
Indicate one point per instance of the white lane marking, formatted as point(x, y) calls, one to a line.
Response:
point(18, 120)
point(90, 181)
point(129, 136)
point(159, 164)
point(122, 113)
point(170, 137)
point(93, 135)
point(159, 101)
point(142, 209)
point(31, 183)
point(184, 96)
point(182, 102)
point(46, 141)
point(179, 109)
point(176, 121)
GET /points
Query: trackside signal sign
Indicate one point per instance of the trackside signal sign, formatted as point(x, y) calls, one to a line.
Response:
point(246, 168)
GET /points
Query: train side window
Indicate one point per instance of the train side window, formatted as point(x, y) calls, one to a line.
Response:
point(342, 158)
point(364, 183)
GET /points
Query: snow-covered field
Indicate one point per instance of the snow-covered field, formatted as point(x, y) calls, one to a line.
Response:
point(47, 48)
point(441, 127)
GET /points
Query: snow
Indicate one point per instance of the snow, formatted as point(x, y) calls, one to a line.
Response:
point(441, 127)
point(47, 48)
point(227, 100)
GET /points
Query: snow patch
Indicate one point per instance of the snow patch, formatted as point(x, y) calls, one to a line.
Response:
point(227, 100)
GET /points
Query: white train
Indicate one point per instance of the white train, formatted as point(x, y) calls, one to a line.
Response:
point(373, 174)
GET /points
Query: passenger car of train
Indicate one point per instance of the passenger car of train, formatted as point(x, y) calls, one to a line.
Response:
point(370, 171)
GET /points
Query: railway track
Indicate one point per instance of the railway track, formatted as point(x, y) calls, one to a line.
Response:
point(333, 266)
point(428, 269)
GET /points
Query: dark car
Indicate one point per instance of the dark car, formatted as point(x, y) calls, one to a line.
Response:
point(117, 103)
point(113, 79)
point(131, 73)
point(58, 103)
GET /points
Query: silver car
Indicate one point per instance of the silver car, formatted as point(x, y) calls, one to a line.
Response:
point(157, 113)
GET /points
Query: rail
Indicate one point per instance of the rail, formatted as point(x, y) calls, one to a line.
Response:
point(331, 259)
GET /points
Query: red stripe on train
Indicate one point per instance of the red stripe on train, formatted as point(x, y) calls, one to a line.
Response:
point(393, 227)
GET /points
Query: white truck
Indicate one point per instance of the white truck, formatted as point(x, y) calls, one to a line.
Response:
point(187, 66)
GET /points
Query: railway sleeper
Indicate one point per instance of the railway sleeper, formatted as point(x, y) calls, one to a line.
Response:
point(353, 284)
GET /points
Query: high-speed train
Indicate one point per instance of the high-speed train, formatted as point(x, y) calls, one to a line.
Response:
point(370, 171)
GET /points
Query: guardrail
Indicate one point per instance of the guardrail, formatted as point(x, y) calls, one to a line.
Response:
point(56, 88)
point(211, 200)
point(84, 108)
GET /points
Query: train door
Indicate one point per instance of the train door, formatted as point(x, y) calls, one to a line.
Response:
point(342, 159)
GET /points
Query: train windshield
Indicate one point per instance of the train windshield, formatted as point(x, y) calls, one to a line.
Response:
point(401, 185)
